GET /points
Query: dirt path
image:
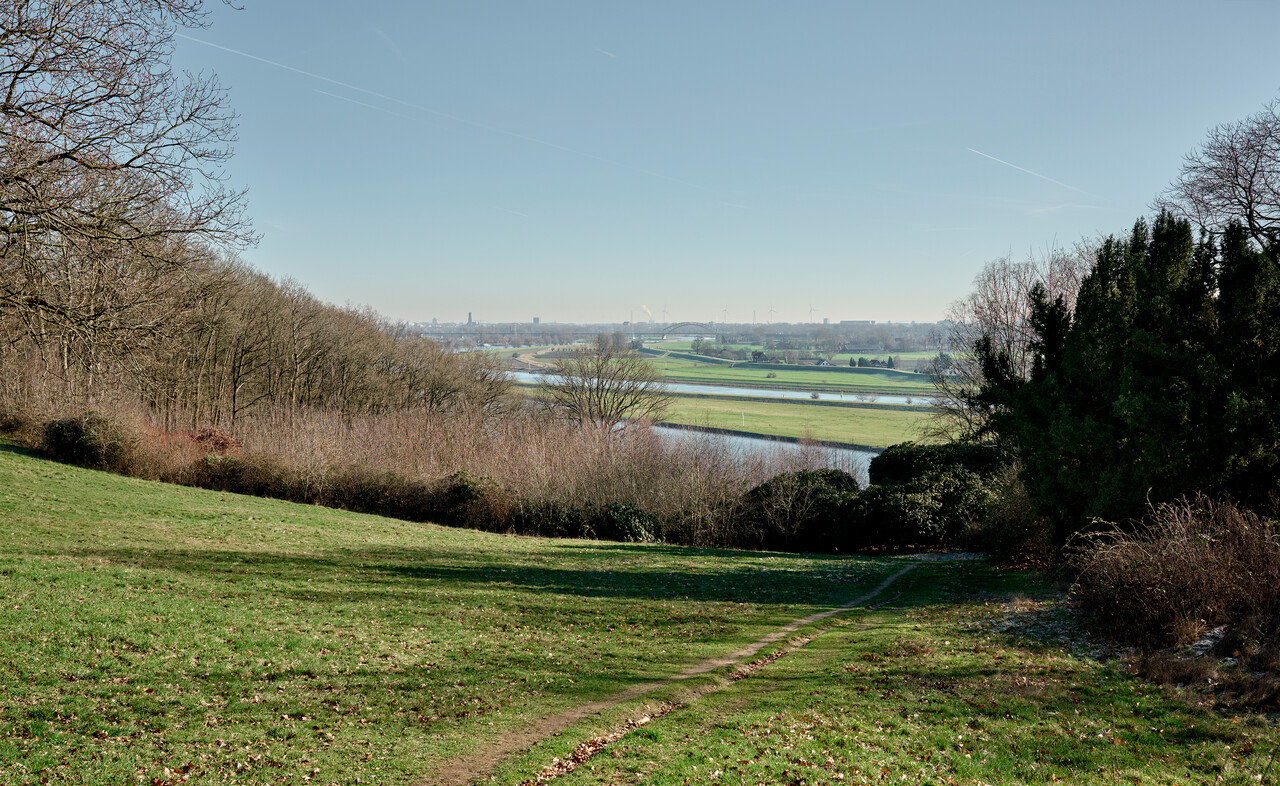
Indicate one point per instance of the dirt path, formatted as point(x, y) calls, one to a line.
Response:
point(528, 359)
point(475, 765)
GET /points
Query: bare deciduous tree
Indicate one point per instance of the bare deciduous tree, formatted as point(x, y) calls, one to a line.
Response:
point(998, 307)
point(108, 155)
point(1234, 175)
point(605, 385)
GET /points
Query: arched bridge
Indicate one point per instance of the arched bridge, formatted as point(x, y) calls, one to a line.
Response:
point(689, 328)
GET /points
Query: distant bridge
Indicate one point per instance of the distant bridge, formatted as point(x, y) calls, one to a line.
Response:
point(689, 328)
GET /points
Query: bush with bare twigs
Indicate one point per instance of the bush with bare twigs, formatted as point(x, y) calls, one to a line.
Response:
point(1197, 565)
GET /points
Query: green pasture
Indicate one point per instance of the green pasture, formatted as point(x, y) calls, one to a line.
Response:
point(841, 358)
point(864, 380)
point(926, 691)
point(165, 635)
point(153, 632)
point(868, 426)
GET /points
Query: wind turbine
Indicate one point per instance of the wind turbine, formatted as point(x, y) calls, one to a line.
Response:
point(811, 310)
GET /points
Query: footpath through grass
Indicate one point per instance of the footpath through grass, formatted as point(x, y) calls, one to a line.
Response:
point(155, 633)
point(926, 691)
point(159, 635)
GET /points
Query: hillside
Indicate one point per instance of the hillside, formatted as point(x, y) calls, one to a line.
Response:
point(158, 634)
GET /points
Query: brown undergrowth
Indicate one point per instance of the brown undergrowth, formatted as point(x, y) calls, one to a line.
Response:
point(514, 471)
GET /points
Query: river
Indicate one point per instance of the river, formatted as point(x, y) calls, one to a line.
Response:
point(852, 461)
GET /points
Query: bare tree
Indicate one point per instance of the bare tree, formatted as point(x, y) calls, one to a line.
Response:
point(1234, 175)
point(605, 385)
point(998, 307)
point(108, 155)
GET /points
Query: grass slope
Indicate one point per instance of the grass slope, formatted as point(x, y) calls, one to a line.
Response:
point(154, 632)
point(925, 691)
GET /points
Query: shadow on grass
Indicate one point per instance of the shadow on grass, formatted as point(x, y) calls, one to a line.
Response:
point(383, 573)
point(9, 446)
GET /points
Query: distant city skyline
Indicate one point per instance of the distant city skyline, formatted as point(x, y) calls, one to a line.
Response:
point(581, 161)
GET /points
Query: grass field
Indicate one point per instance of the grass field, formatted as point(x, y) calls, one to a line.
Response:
point(841, 358)
point(866, 380)
point(872, 427)
point(162, 635)
point(875, 381)
point(925, 692)
point(151, 627)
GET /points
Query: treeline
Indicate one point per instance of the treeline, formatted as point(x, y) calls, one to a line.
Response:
point(217, 341)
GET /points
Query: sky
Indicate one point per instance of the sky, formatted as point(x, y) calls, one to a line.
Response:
point(711, 161)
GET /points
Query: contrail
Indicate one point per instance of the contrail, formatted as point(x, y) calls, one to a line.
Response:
point(367, 105)
point(395, 50)
point(462, 120)
point(1028, 171)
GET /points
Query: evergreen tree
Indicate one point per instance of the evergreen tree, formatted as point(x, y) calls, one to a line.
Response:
point(1163, 382)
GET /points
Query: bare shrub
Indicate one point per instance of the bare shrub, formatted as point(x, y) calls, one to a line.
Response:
point(1198, 564)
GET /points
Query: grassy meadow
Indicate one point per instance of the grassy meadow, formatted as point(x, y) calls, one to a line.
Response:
point(153, 630)
point(841, 379)
point(162, 635)
point(872, 381)
point(909, 359)
point(858, 425)
point(927, 690)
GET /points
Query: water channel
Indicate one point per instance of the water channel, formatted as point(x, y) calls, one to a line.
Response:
point(848, 459)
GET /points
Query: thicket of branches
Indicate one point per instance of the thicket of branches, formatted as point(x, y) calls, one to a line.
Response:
point(606, 385)
point(116, 231)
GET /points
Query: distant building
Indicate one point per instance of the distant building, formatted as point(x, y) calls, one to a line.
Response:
point(537, 320)
point(857, 322)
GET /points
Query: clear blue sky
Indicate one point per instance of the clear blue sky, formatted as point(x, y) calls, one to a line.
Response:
point(578, 161)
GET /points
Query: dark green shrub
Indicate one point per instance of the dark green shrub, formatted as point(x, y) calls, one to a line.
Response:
point(895, 516)
point(475, 501)
point(89, 440)
point(906, 461)
point(553, 520)
point(929, 510)
point(11, 420)
point(798, 511)
point(382, 493)
point(1009, 531)
point(256, 476)
point(627, 523)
